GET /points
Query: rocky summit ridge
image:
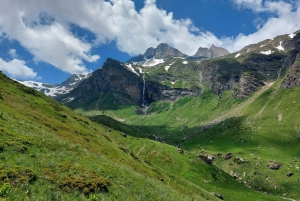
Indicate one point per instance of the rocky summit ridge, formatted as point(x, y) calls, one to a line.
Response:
point(164, 51)
point(212, 52)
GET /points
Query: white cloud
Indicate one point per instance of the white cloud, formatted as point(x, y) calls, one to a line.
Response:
point(251, 4)
point(17, 69)
point(13, 53)
point(43, 28)
point(134, 31)
point(48, 39)
point(285, 21)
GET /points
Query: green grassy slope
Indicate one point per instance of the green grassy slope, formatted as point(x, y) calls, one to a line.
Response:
point(48, 152)
point(260, 130)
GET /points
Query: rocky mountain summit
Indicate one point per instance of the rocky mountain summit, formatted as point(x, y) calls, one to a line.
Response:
point(162, 51)
point(212, 52)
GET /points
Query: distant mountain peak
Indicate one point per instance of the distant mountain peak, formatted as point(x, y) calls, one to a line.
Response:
point(212, 52)
point(56, 90)
point(162, 51)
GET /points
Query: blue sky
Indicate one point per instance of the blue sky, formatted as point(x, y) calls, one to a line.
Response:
point(47, 41)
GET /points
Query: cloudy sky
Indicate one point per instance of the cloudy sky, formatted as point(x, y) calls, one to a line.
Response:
point(48, 41)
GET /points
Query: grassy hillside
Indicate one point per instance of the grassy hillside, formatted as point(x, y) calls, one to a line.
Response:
point(260, 132)
point(48, 152)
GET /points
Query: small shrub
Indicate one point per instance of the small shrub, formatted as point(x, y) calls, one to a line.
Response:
point(77, 179)
point(85, 185)
point(1, 114)
point(17, 175)
point(5, 189)
point(1, 96)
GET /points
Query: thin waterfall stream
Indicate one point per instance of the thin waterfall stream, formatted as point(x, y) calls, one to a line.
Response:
point(144, 107)
point(143, 95)
point(279, 71)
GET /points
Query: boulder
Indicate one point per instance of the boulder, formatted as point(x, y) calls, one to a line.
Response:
point(274, 165)
point(234, 175)
point(228, 156)
point(180, 151)
point(239, 160)
point(206, 158)
point(217, 195)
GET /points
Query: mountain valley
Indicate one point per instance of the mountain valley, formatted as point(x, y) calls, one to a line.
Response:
point(161, 126)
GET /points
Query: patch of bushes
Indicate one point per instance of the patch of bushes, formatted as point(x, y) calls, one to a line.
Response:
point(17, 175)
point(16, 143)
point(1, 96)
point(80, 179)
point(86, 184)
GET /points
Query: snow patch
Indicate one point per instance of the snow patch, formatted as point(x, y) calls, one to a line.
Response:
point(185, 62)
point(47, 89)
point(266, 52)
point(153, 62)
point(248, 50)
point(262, 46)
point(280, 47)
point(236, 56)
point(168, 66)
point(140, 70)
point(129, 66)
point(68, 99)
point(172, 83)
point(292, 35)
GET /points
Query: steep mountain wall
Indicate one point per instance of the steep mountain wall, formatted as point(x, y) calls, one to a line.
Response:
point(115, 77)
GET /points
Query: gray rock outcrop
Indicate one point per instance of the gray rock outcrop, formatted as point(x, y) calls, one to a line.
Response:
point(246, 86)
point(212, 52)
point(293, 77)
point(162, 51)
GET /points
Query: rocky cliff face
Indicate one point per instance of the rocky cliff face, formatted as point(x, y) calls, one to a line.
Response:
point(212, 52)
point(246, 86)
point(115, 77)
point(292, 78)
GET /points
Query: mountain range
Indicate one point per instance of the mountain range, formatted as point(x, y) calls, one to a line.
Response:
point(170, 74)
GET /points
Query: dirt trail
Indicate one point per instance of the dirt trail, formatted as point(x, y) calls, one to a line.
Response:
point(140, 150)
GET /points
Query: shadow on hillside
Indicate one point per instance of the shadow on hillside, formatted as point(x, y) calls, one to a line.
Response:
point(230, 135)
point(222, 133)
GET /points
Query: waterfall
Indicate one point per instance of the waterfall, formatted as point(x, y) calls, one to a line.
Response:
point(145, 108)
point(279, 71)
point(143, 95)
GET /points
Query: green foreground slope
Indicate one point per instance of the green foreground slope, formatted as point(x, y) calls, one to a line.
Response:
point(259, 131)
point(48, 152)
